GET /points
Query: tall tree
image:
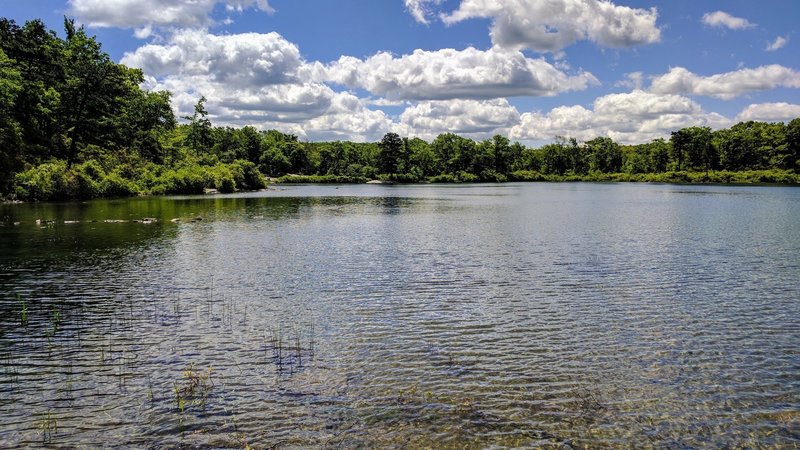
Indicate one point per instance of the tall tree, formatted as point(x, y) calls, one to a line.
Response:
point(38, 55)
point(793, 144)
point(444, 147)
point(695, 143)
point(501, 153)
point(332, 159)
point(679, 141)
point(658, 155)
point(604, 155)
point(391, 151)
point(422, 156)
point(143, 122)
point(199, 137)
point(95, 90)
point(10, 133)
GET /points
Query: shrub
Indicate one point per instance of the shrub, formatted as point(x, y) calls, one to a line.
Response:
point(48, 181)
point(320, 179)
point(88, 177)
point(490, 175)
point(444, 178)
point(223, 179)
point(526, 175)
point(399, 177)
point(248, 176)
point(113, 185)
point(186, 180)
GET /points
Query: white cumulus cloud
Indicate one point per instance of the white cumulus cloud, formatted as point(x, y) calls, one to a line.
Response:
point(723, 19)
point(349, 119)
point(420, 9)
point(145, 14)
point(628, 118)
point(779, 43)
point(726, 85)
point(770, 112)
point(449, 74)
point(478, 119)
point(633, 80)
point(255, 79)
point(551, 25)
point(238, 59)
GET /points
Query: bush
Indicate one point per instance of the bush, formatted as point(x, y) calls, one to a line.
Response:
point(368, 172)
point(466, 177)
point(526, 175)
point(444, 178)
point(223, 179)
point(248, 176)
point(113, 185)
point(489, 175)
point(88, 177)
point(320, 179)
point(400, 177)
point(48, 181)
point(186, 180)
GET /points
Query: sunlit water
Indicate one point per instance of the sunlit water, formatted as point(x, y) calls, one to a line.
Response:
point(552, 315)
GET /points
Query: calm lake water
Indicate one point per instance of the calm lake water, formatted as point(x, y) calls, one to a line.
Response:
point(515, 315)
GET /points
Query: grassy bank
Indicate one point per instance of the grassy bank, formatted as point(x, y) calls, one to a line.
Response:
point(58, 181)
point(679, 177)
point(682, 177)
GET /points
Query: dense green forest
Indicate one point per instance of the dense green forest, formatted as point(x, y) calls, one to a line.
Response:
point(74, 124)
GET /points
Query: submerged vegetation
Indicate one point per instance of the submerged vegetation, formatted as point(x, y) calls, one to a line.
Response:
point(193, 388)
point(76, 125)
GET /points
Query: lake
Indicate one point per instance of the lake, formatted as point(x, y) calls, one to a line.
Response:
point(468, 316)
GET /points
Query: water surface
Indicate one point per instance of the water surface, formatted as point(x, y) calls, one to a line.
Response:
point(553, 315)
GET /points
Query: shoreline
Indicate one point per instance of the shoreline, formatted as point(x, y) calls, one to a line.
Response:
point(750, 177)
point(712, 178)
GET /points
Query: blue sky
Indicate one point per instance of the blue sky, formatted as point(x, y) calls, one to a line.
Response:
point(633, 70)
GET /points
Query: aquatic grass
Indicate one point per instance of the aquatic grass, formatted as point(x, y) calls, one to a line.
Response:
point(587, 404)
point(48, 425)
point(150, 396)
point(194, 387)
point(276, 344)
point(297, 348)
point(179, 399)
point(23, 310)
point(49, 334)
point(56, 322)
point(289, 349)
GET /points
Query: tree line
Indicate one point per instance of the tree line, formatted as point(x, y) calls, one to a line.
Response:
point(75, 124)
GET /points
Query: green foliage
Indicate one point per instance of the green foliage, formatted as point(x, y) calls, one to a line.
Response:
point(321, 179)
point(23, 310)
point(199, 137)
point(248, 177)
point(526, 175)
point(88, 179)
point(48, 181)
point(444, 178)
point(56, 181)
point(391, 151)
point(186, 180)
point(93, 94)
point(76, 125)
point(490, 175)
point(694, 145)
point(792, 160)
point(10, 130)
point(604, 155)
point(114, 185)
